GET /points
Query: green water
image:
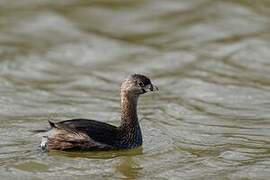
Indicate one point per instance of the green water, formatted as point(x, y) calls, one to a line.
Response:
point(66, 59)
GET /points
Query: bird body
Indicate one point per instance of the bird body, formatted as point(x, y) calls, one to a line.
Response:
point(91, 135)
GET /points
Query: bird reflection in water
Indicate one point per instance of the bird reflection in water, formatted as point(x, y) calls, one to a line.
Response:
point(128, 167)
point(125, 165)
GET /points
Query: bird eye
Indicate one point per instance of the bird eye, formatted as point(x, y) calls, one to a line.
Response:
point(141, 84)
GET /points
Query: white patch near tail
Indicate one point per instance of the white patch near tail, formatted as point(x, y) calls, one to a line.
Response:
point(44, 143)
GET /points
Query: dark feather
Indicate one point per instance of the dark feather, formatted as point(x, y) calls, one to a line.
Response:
point(100, 133)
point(52, 125)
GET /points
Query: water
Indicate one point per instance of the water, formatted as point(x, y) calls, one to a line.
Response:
point(66, 59)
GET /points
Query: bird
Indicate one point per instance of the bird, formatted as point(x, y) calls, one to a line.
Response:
point(92, 135)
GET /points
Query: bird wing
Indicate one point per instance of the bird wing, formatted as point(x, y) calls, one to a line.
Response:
point(99, 132)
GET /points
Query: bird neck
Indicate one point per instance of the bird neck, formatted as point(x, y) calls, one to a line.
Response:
point(130, 131)
point(128, 109)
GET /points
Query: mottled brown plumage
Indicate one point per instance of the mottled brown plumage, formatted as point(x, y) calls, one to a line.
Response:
point(85, 134)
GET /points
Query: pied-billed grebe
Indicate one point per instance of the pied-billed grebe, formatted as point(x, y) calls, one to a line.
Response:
point(85, 134)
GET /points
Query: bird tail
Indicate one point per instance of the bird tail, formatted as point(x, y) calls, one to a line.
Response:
point(52, 124)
